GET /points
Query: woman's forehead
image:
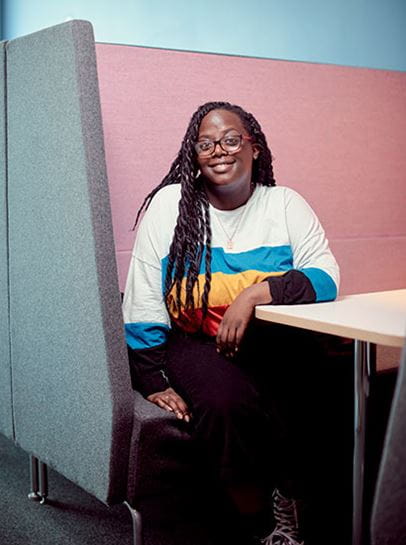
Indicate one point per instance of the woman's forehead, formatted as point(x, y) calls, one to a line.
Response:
point(220, 121)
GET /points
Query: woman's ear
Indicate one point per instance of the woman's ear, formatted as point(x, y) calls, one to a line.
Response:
point(255, 152)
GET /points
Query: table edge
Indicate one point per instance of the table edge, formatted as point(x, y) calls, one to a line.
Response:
point(332, 329)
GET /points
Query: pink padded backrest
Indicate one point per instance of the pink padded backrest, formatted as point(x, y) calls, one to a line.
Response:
point(337, 133)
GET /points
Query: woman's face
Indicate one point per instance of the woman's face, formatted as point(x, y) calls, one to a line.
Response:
point(223, 169)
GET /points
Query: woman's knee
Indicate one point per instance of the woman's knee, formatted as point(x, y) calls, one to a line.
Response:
point(230, 401)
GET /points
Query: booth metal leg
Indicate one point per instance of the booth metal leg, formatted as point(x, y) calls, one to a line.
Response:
point(43, 482)
point(38, 480)
point(137, 525)
point(34, 479)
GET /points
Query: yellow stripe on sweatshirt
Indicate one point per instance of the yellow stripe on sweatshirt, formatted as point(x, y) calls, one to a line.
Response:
point(224, 287)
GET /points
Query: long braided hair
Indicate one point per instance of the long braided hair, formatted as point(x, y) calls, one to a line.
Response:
point(192, 236)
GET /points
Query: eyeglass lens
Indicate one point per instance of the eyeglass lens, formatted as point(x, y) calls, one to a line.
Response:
point(229, 144)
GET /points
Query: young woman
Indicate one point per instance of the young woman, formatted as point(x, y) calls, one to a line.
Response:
point(217, 239)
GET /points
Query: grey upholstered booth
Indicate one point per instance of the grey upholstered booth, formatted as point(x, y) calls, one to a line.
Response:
point(73, 405)
point(6, 422)
point(388, 525)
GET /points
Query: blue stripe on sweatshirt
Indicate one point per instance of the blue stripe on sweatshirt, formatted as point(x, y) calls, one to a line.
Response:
point(323, 284)
point(263, 259)
point(141, 335)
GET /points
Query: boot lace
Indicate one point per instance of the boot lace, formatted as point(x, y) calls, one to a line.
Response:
point(286, 531)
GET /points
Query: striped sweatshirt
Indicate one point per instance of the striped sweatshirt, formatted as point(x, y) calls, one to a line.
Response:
point(276, 238)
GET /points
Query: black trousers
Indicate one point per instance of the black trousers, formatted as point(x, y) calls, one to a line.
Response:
point(252, 414)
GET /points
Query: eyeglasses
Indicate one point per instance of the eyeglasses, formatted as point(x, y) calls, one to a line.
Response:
point(230, 143)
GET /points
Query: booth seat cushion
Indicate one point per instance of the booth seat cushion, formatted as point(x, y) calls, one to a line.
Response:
point(162, 454)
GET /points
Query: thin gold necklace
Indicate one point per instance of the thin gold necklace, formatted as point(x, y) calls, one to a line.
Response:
point(230, 239)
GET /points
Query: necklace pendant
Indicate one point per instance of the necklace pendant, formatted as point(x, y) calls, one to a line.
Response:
point(230, 245)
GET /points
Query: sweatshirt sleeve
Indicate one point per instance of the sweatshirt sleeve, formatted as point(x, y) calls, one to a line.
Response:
point(293, 288)
point(315, 275)
point(145, 316)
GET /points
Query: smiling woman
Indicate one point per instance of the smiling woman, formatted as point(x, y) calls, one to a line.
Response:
point(225, 154)
point(217, 239)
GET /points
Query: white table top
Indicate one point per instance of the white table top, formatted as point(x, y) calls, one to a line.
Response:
point(378, 317)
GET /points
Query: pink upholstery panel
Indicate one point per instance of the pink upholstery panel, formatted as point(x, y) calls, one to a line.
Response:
point(371, 264)
point(337, 134)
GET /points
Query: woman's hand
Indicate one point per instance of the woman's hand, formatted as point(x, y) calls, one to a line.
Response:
point(238, 315)
point(172, 402)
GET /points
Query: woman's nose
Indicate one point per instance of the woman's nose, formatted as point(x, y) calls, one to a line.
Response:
point(218, 150)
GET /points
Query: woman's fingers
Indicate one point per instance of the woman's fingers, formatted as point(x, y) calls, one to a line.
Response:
point(222, 335)
point(172, 402)
point(228, 338)
point(163, 404)
point(219, 339)
point(178, 406)
point(230, 343)
point(235, 321)
point(239, 334)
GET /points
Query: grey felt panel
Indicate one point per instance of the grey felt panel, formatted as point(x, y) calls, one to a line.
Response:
point(72, 394)
point(389, 512)
point(6, 423)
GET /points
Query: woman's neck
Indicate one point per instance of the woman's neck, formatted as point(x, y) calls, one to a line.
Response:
point(224, 199)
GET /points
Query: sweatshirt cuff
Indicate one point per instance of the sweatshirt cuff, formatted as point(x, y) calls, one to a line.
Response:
point(292, 288)
point(147, 370)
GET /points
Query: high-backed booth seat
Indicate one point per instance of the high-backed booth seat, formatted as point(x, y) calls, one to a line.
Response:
point(388, 526)
point(73, 405)
point(65, 391)
point(6, 421)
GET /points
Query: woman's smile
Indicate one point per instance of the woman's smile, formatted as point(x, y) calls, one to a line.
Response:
point(223, 166)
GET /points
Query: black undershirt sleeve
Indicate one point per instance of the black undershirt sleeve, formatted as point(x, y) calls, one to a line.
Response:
point(292, 288)
point(147, 369)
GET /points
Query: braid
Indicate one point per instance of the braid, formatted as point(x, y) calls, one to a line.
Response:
point(207, 283)
point(192, 235)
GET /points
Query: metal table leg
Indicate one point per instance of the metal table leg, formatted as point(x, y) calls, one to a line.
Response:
point(364, 366)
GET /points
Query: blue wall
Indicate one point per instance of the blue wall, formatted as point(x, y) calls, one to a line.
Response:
point(367, 33)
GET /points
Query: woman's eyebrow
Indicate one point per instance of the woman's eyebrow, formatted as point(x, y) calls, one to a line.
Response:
point(225, 131)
